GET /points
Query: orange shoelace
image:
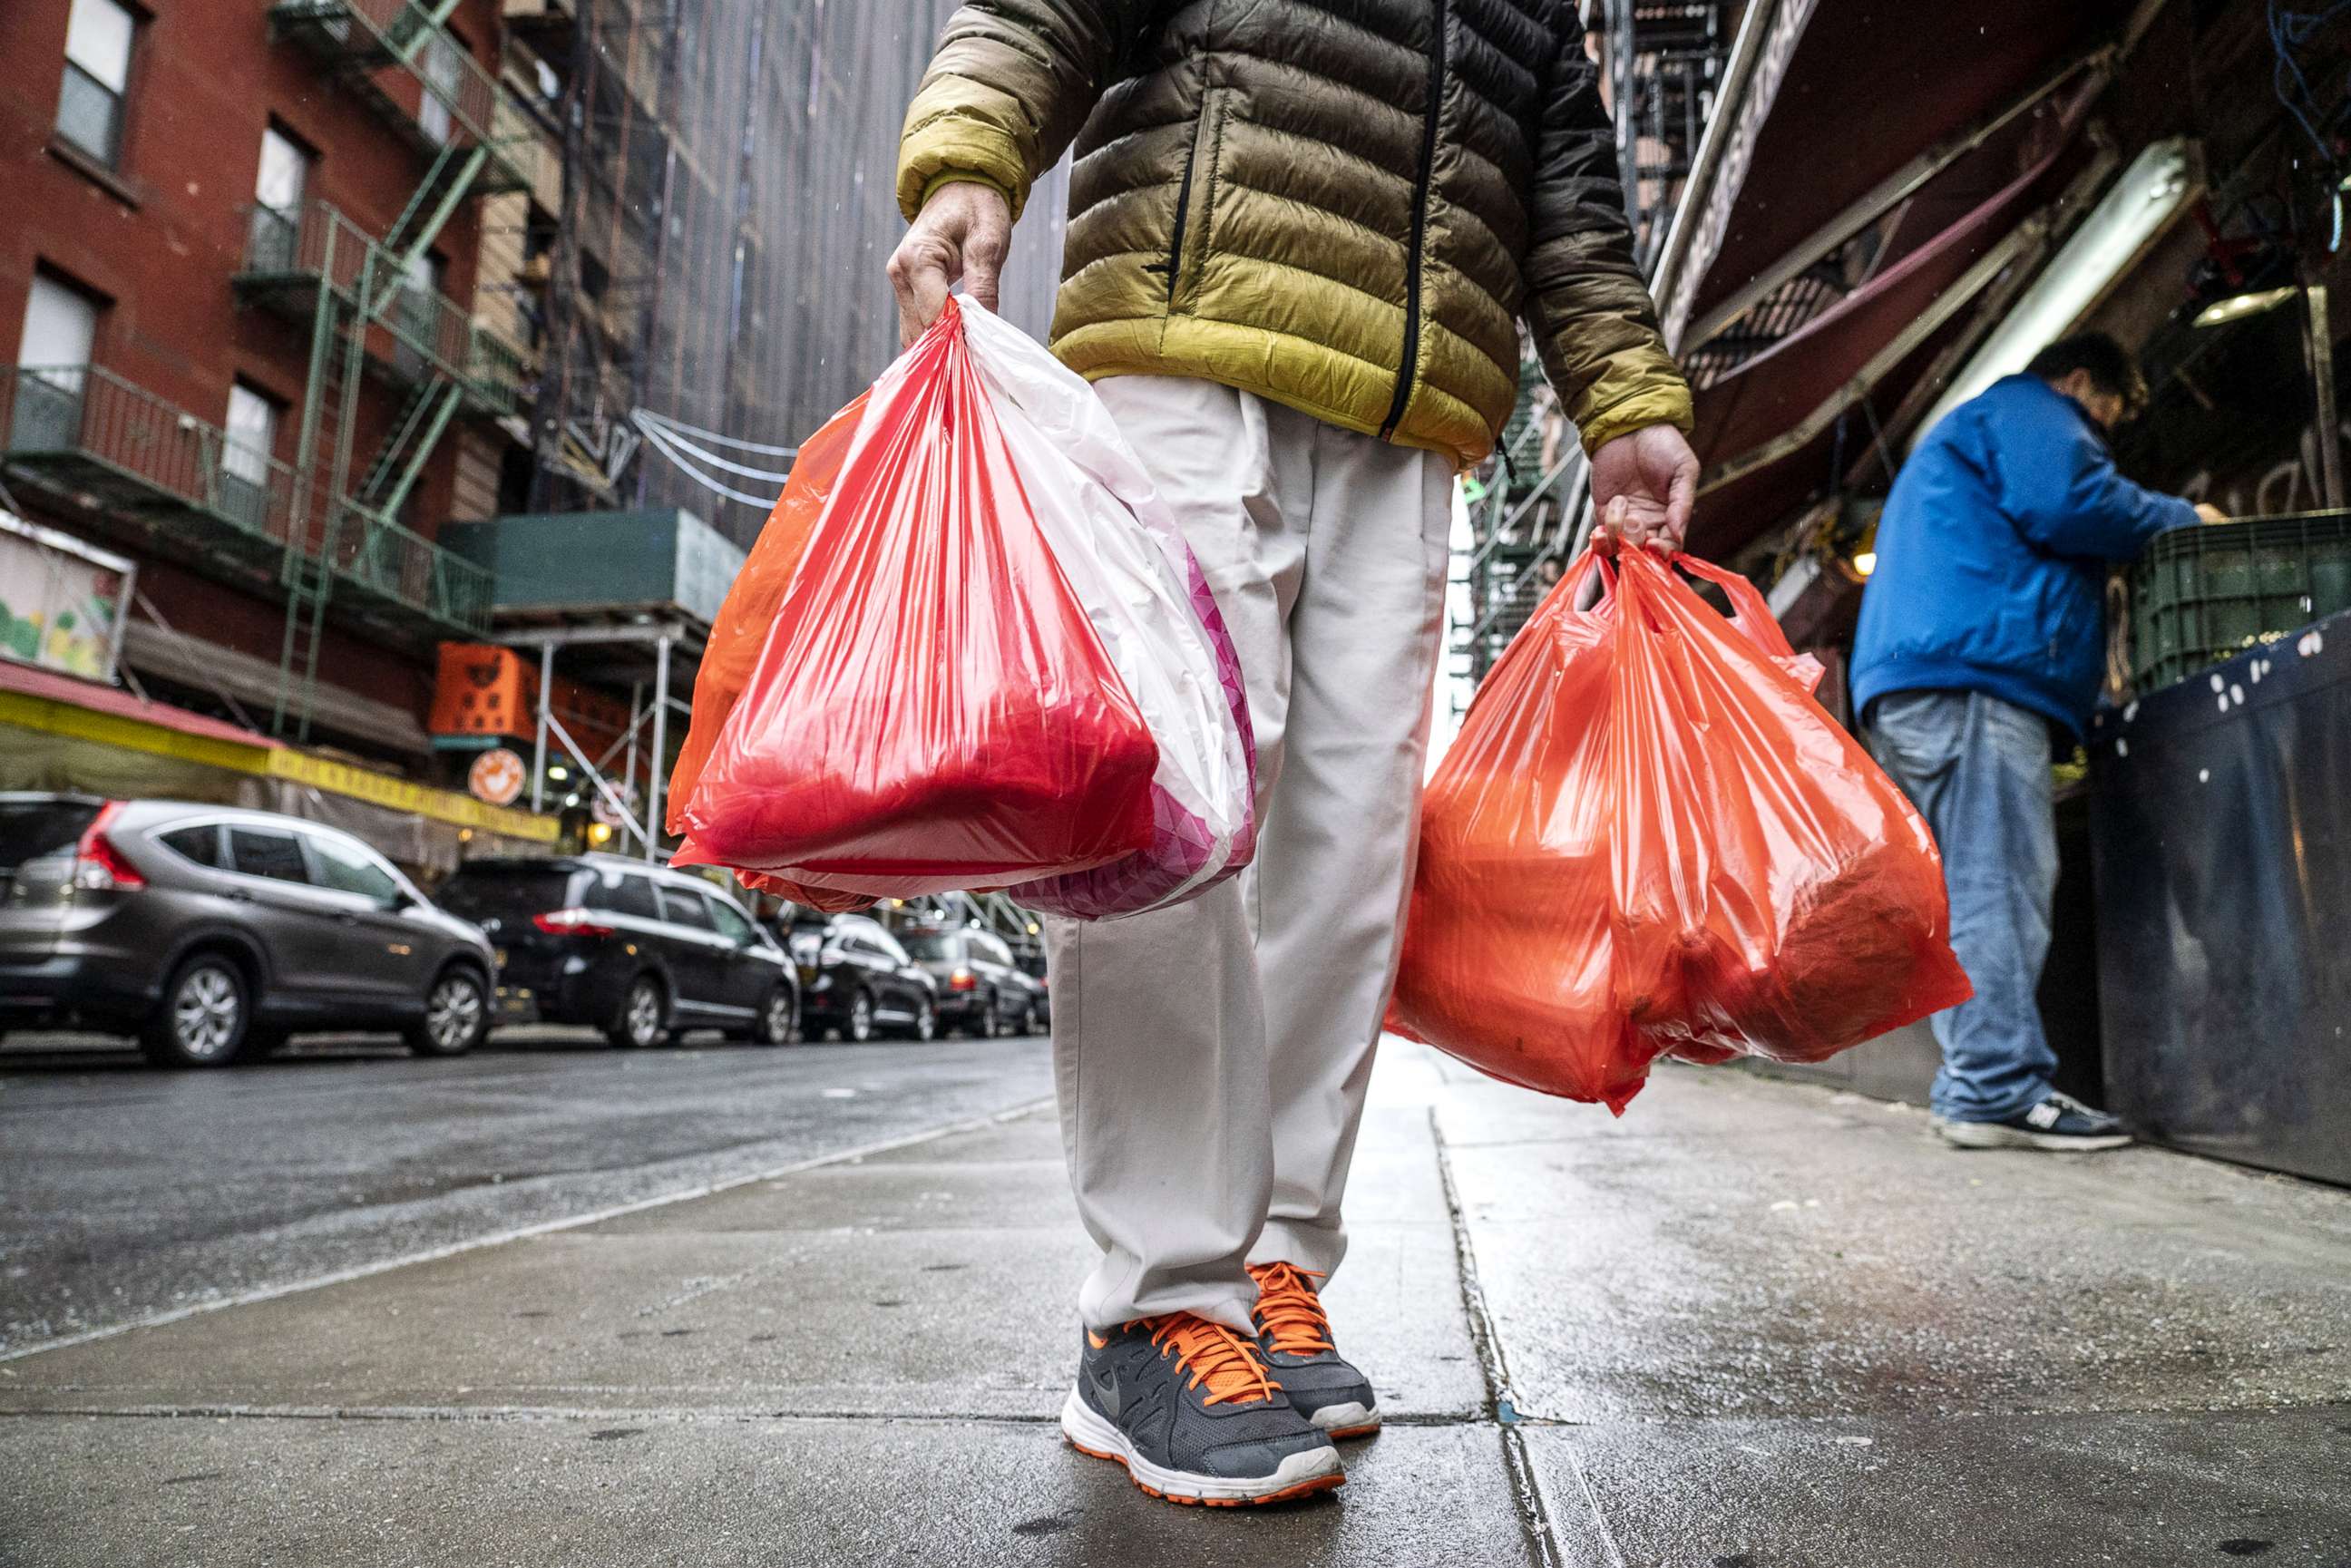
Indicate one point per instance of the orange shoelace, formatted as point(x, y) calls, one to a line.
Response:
point(1288, 1311)
point(1227, 1363)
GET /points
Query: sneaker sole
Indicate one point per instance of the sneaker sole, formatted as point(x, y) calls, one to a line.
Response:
point(1299, 1475)
point(1993, 1135)
point(1351, 1420)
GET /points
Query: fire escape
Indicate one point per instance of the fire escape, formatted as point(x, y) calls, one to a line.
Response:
point(375, 318)
point(1662, 61)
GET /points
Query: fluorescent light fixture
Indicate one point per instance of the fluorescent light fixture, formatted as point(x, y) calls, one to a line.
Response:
point(2138, 207)
point(2237, 307)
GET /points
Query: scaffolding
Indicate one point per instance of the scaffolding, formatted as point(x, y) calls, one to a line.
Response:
point(727, 206)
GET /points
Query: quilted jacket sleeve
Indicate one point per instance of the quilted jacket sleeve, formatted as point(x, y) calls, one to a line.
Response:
point(1010, 85)
point(1587, 303)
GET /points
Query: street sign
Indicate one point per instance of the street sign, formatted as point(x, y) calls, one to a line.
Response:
point(497, 776)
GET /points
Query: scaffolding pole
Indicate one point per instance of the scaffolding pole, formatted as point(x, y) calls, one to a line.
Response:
point(661, 749)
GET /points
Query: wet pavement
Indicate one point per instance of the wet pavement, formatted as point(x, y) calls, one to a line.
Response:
point(1752, 1323)
point(130, 1191)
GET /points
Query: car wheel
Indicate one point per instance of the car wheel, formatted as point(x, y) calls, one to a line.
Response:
point(927, 1022)
point(860, 1020)
point(779, 1018)
point(991, 1021)
point(456, 1016)
point(204, 1018)
point(642, 1022)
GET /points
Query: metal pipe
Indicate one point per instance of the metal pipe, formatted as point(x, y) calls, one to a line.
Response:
point(660, 748)
point(538, 751)
point(2321, 339)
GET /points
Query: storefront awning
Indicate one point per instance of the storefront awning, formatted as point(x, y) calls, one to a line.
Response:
point(58, 732)
point(1878, 168)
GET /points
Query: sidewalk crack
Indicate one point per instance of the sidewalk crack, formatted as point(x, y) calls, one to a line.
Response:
point(1502, 1403)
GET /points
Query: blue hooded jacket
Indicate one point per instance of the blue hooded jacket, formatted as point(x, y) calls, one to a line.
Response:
point(1992, 553)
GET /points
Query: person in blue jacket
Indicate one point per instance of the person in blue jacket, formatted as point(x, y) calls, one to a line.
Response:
point(1982, 638)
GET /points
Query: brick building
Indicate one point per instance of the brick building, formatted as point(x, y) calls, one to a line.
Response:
point(239, 267)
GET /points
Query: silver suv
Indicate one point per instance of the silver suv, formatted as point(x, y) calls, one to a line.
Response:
point(212, 933)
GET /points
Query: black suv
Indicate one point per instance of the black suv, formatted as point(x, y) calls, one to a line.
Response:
point(980, 991)
point(858, 981)
point(635, 949)
point(213, 932)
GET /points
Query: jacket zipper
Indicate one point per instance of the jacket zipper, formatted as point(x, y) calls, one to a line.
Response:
point(1182, 207)
point(1419, 220)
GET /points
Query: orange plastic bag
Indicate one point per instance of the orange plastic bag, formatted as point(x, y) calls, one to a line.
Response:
point(931, 707)
point(1648, 839)
point(741, 630)
point(751, 607)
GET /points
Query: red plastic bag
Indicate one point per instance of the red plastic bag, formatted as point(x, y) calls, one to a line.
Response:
point(931, 708)
point(1648, 839)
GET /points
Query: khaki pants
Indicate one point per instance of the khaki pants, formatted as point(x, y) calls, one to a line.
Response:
point(1211, 1058)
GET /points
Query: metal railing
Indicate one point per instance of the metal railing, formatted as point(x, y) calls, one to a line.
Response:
point(136, 449)
point(376, 554)
point(397, 32)
point(315, 241)
point(432, 333)
point(134, 453)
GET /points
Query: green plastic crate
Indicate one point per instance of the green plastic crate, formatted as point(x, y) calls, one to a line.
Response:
point(2204, 594)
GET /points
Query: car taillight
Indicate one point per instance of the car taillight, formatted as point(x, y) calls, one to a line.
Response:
point(962, 980)
point(98, 866)
point(570, 923)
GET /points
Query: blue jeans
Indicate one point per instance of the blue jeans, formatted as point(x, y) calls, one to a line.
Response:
point(1978, 769)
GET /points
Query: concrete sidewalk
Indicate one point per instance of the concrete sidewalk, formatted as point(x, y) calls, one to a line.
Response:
point(1752, 1323)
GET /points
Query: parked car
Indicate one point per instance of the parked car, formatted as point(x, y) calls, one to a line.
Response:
point(213, 932)
point(981, 992)
point(856, 980)
point(1029, 959)
point(637, 950)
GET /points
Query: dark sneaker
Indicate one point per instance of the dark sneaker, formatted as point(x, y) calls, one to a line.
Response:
point(1295, 1334)
point(2059, 1122)
point(1186, 1406)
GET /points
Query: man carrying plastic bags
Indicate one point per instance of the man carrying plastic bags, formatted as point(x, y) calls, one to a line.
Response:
point(1301, 240)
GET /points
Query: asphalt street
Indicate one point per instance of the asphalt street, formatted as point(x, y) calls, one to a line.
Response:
point(132, 1192)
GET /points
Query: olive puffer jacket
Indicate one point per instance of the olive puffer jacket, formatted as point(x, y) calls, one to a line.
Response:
point(1342, 206)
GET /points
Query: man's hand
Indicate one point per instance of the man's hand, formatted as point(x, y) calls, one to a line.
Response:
point(2211, 513)
point(961, 234)
point(1642, 489)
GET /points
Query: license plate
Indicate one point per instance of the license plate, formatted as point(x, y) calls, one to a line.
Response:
point(807, 974)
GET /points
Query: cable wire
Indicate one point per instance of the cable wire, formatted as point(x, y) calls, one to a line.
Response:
point(658, 440)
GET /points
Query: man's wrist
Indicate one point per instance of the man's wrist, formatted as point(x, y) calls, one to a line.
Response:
point(965, 177)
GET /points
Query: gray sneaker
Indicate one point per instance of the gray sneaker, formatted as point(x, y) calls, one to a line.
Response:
point(2056, 1124)
point(1295, 1334)
point(1188, 1408)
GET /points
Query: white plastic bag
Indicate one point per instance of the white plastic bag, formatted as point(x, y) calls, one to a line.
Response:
point(1150, 604)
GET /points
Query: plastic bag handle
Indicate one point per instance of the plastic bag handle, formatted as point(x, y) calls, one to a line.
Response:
point(1749, 614)
point(1571, 580)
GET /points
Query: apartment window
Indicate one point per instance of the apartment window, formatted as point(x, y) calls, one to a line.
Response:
point(245, 460)
point(97, 69)
point(443, 72)
point(277, 192)
point(52, 358)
